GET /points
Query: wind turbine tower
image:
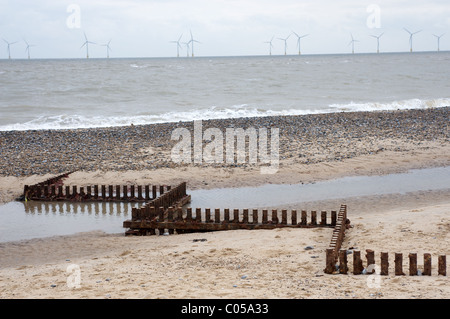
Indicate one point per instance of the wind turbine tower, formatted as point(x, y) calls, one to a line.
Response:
point(285, 43)
point(9, 47)
point(28, 48)
point(187, 48)
point(298, 41)
point(86, 43)
point(438, 37)
point(107, 48)
point(192, 41)
point(411, 38)
point(178, 45)
point(378, 41)
point(352, 42)
point(270, 45)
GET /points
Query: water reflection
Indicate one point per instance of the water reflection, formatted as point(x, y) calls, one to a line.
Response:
point(91, 208)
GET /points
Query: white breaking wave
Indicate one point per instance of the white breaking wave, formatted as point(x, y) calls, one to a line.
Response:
point(238, 111)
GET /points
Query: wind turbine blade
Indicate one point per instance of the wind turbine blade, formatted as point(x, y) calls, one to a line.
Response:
point(83, 45)
point(417, 31)
point(407, 30)
point(180, 37)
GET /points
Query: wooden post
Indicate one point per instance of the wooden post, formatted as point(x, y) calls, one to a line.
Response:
point(154, 192)
point(226, 215)
point(147, 192)
point(198, 215)
point(398, 264)
point(110, 191)
point(274, 216)
point(442, 265)
point(333, 217)
point(103, 191)
point(303, 220)
point(118, 197)
point(161, 190)
point(255, 217)
point(264, 216)
point(60, 191)
point(53, 192)
point(323, 218)
point(236, 216)
point(330, 266)
point(370, 256)
point(427, 264)
point(125, 192)
point(245, 216)
point(132, 195)
point(140, 192)
point(45, 191)
point(189, 214)
point(217, 216)
point(357, 263)
point(208, 215)
point(74, 190)
point(284, 217)
point(384, 264)
point(343, 267)
point(313, 217)
point(412, 264)
point(294, 217)
point(161, 219)
point(67, 192)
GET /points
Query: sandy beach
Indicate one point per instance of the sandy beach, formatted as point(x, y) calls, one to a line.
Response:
point(239, 263)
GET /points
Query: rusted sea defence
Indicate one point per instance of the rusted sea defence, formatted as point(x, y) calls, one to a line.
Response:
point(303, 139)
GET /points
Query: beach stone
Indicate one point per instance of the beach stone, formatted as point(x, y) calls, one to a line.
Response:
point(309, 247)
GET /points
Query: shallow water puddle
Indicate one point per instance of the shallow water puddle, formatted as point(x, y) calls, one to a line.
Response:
point(27, 220)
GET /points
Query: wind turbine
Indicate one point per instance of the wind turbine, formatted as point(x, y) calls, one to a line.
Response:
point(285, 42)
point(187, 47)
point(352, 42)
point(86, 43)
point(9, 47)
point(178, 45)
point(107, 48)
point(378, 41)
point(298, 41)
point(28, 48)
point(438, 39)
point(270, 45)
point(192, 41)
point(410, 38)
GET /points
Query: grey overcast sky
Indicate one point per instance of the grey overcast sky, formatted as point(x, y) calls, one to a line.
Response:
point(139, 28)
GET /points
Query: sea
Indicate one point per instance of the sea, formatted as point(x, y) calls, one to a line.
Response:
point(42, 94)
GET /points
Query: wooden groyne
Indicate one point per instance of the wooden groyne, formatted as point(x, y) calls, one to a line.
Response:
point(150, 220)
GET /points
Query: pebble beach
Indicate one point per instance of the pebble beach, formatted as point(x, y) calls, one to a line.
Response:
point(233, 264)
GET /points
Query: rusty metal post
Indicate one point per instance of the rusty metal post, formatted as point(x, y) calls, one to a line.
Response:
point(399, 264)
point(427, 264)
point(343, 266)
point(357, 263)
point(384, 264)
point(370, 256)
point(412, 264)
point(442, 265)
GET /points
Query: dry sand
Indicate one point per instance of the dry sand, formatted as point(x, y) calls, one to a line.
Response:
point(241, 263)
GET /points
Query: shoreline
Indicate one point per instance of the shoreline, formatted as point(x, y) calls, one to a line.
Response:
point(244, 263)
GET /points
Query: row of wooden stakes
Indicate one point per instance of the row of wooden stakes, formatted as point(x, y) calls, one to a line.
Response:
point(95, 192)
point(358, 267)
